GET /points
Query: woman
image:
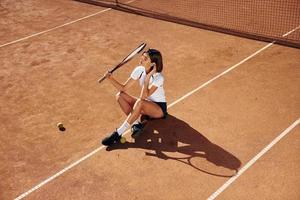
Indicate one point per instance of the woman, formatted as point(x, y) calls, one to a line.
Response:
point(152, 100)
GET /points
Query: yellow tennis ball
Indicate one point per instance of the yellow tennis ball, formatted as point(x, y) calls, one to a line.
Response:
point(123, 140)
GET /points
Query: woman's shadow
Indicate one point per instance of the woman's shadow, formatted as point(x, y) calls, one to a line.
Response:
point(172, 138)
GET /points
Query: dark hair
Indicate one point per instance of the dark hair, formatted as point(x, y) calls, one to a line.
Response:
point(155, 57)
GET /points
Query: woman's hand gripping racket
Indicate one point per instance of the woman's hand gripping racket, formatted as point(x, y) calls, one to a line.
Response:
point(125, 60)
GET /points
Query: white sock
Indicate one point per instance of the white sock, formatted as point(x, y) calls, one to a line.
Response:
point(123, 128)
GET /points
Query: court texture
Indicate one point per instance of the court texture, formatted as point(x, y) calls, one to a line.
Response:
point(234, 105)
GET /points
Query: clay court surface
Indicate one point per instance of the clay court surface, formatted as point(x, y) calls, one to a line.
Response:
point(209, 136)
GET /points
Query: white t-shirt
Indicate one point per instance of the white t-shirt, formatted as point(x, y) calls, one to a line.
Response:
point(156, 79)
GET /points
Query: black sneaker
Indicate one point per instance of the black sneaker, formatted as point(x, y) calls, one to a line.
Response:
point(109, 140)
point(136, 130)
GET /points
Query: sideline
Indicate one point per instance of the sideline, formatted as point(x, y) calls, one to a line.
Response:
point(253, 160)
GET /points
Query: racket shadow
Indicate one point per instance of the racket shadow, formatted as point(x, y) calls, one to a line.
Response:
point(174, 139)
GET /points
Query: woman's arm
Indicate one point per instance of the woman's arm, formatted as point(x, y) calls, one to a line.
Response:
point(146, 92)
point(117, 85)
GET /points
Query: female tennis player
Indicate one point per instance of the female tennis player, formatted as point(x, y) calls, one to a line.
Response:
point(152, 100)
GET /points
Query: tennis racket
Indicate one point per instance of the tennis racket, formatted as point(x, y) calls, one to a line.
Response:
point(126, 59)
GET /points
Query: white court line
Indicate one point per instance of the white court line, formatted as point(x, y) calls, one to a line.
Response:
point(57, 27)
point(231, 68)
point(291, 31)
point(88, 16)
point(253, 160)
point(222, 74)
point(172, 104)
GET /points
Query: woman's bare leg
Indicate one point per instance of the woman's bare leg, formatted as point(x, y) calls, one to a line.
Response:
point(140, 107)
point(146, 108)
point(126, 102)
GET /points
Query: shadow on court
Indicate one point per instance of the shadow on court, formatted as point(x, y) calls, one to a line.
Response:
point(174, 139)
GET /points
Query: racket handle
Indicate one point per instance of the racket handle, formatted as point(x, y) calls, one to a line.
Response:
point(101, 79)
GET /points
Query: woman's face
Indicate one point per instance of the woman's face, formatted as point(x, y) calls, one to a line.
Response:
point(145, 61)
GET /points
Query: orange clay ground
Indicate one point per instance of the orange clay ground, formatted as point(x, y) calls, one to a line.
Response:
point(207, 138)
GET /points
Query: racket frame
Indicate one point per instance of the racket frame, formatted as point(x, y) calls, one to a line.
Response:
point(125, 60)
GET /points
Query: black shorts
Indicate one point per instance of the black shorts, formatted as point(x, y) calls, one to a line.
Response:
point(164, 107)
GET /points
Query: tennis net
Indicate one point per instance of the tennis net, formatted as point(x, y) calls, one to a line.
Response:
point(265, 20)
